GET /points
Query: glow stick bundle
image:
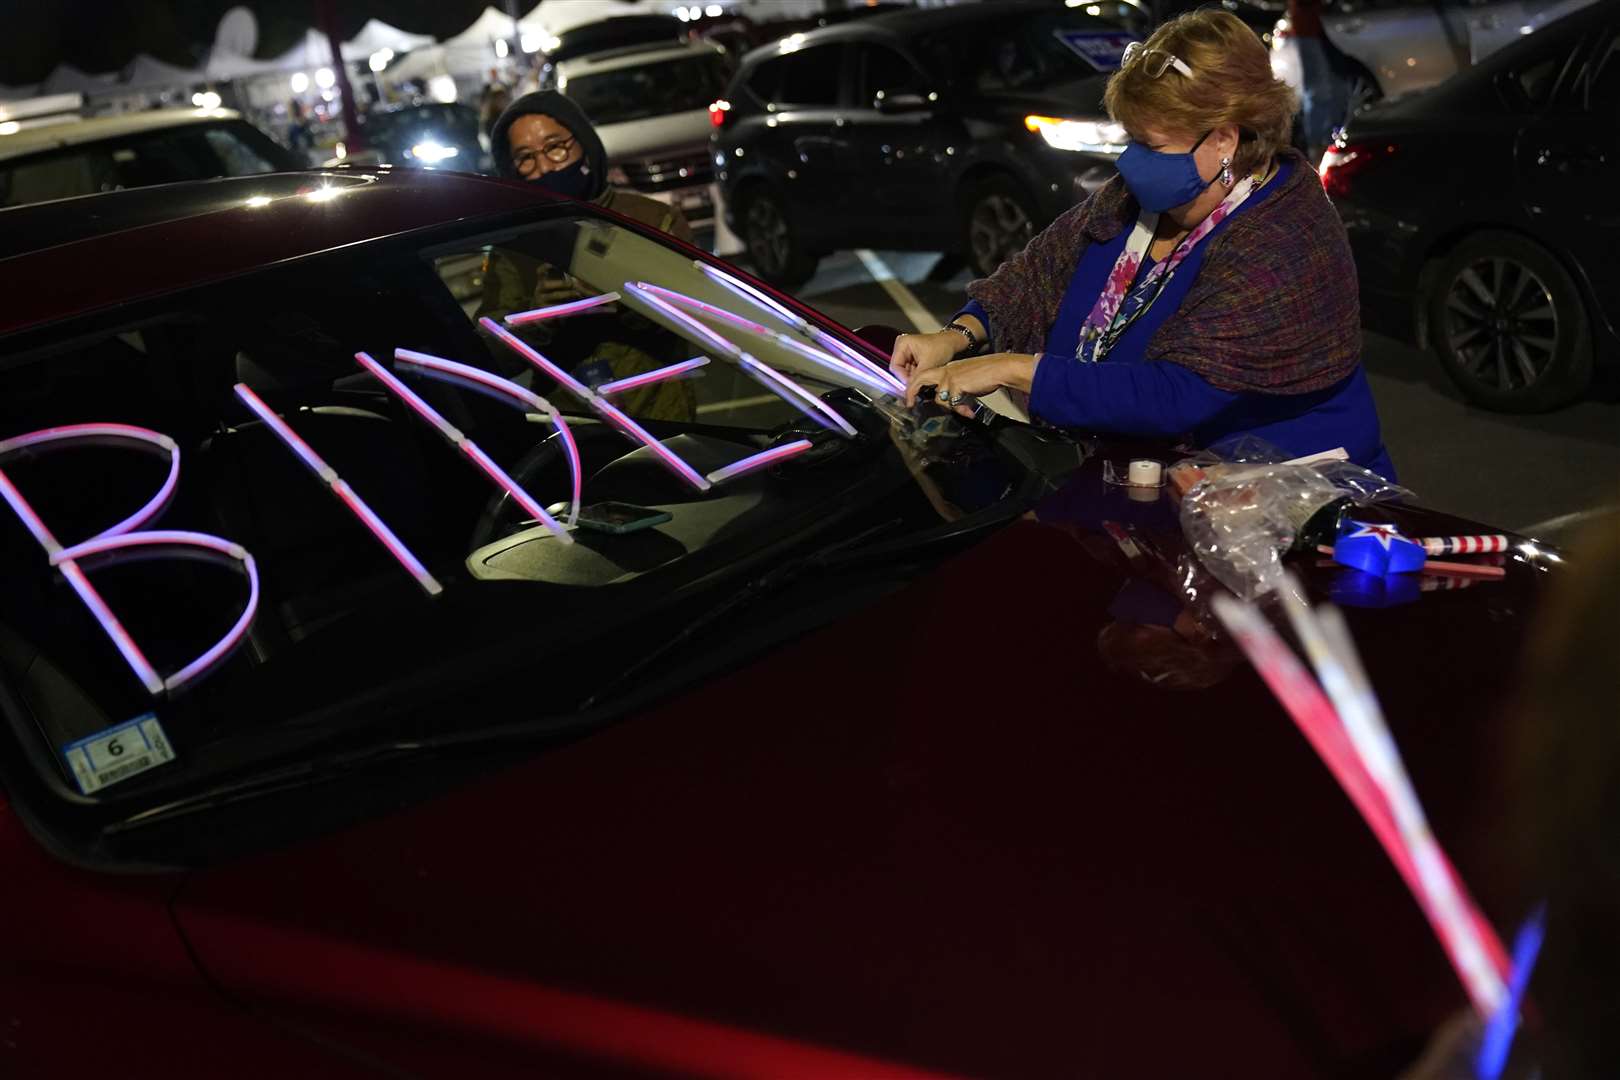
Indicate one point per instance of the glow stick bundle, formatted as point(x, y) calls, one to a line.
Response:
point(1341, 718)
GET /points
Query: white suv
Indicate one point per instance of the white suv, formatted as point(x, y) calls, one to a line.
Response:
point(650, 104)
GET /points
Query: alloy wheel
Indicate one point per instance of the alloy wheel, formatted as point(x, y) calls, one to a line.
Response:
point(1501, 323)
point(997, 230)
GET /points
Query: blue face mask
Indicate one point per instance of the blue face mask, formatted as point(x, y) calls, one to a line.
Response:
point(1159, 180)
point(573, 182)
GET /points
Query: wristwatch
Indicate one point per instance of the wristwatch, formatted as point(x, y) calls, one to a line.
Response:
point(974, 344)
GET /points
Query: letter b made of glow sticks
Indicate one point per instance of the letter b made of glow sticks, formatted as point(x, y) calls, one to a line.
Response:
point(128, 535)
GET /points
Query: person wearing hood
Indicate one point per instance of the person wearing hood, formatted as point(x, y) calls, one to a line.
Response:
point(544, 139)
point(547, 140)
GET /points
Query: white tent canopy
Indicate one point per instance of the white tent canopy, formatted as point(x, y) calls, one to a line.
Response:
point(377, 35)
point(67, 79)
point(148, 72)
point(483, 32)
point(557, 16)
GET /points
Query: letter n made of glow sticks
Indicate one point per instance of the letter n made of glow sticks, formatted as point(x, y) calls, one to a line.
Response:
point(604, 408)
point(340, 488)
point(123, 536)
point(455, 438)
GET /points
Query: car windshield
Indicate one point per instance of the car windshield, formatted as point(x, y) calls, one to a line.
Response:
point(443, 123)
point(355, 496)
point(636, 93)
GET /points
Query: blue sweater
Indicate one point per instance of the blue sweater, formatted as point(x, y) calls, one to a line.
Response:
point(1124, 395)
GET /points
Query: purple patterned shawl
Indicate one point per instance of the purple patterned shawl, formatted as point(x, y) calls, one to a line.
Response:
point(1274, 308)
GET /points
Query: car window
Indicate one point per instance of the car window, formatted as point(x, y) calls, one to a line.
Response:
point(887, 72)
point(1027, 53)
point(235, 156)
point(636, 93)
point(807, 78)
point(1603, 84)
point(53, 176)
point(365, 494)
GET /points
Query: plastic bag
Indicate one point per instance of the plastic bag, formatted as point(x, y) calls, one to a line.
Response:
point(1248, 506)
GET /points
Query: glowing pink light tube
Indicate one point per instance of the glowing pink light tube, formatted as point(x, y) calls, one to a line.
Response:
point(533, 356)
point(465, 445)
point(557, 311)
point(23, 510)
point(612, 414)
point(341, 489)
point(173, 537)
point(794, 394)
point(619, 386)
point(76, 432)
point(114, 629)
point(701, 333)
point(759, 460)
point(518, 395)
point(862, 375)
point(826, 340)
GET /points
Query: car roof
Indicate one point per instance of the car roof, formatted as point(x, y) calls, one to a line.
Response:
point(76, 131)
point(634, 56)
point(70, 257)
point(898, 25)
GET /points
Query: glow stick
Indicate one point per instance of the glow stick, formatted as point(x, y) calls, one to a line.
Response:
point(751, 294)
point(861, 375)
point(514, 394)
point(1468, 939)
point(114, 629)
point(620, 386)
point(533, 356)
point(796, 395)
point(465, 445)
point(557, 311)
point(224, 645)
point(1497, 1041)
point(827, 341)
point(346, 494)
point(75, 432)
point(30, 519)
point(614, 415)
point(759, 460)
point(705, 336)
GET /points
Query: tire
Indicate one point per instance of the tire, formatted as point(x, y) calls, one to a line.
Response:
point(774, 247)
point(1508, 324)
point(998, 219)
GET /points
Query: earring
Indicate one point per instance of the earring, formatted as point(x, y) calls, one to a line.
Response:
point(1226, 171)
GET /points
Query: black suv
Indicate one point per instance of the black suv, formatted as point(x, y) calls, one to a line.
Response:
point(962, 129)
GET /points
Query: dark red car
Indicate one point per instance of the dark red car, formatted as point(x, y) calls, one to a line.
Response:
point(827, 741)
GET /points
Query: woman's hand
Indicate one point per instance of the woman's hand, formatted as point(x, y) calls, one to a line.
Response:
point(981, 375)
point(921, 352)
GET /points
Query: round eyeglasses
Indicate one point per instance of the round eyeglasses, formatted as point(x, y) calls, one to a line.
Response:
point(527, 160)
point(1155, 62)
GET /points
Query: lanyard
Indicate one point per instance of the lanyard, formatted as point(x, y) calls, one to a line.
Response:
point(1103, 327)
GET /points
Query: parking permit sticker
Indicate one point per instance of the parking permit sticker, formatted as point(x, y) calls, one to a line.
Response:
point(1101, 49)
point(118, 753)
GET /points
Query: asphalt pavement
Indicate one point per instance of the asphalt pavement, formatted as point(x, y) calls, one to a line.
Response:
point(1544, 475)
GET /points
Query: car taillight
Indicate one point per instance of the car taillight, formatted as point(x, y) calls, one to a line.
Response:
point(718, 111)
point(1346, 160)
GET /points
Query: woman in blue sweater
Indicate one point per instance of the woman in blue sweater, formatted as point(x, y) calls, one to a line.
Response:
point(1208, 291)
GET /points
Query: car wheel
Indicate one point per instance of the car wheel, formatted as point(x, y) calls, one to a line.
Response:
point(1508, 324)
point(999, 221)
point(776, 252)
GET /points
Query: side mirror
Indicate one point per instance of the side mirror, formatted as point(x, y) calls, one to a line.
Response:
point(902, 103)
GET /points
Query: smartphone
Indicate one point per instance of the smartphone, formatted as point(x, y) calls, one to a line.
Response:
point(620, 517)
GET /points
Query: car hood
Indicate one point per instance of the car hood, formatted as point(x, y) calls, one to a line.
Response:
point(657, 136)
point(947, 837)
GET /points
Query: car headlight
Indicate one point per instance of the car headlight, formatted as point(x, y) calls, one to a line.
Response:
point(431, 153)
point(1090, 136)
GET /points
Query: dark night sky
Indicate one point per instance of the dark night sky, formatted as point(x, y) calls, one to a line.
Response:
point(104, 35)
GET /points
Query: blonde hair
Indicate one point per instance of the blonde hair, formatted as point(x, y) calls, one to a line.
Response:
point(1231, 83)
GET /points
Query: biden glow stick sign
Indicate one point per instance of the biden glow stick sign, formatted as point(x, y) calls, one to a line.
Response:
point(135, 535)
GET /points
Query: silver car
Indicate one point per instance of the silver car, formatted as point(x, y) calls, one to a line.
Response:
point(1397, 46)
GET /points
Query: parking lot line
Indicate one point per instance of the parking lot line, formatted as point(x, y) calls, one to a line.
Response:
point(912, 308)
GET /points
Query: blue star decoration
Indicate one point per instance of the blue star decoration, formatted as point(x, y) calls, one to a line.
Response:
point(1376, 549)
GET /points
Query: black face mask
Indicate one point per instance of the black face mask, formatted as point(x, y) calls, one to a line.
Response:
point(573, 182)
